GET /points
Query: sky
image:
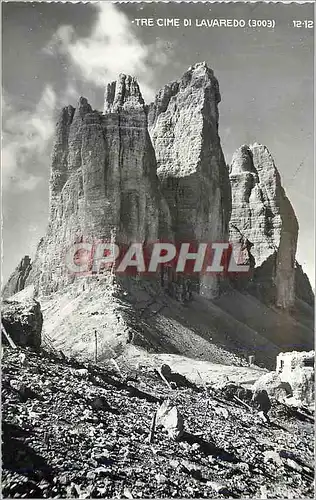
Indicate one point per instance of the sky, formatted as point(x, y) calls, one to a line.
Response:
point(55, 52)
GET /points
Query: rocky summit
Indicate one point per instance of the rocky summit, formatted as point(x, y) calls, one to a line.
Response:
point(160, 386)
point(138, 173)
point(144, 173)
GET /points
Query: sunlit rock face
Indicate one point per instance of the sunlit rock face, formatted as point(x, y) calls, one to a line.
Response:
point(183, 124)
point(109, 175)
point(262, 213)
point(103, 179)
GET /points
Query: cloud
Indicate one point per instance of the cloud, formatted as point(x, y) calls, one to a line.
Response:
point(26, 137)
point(111, 48)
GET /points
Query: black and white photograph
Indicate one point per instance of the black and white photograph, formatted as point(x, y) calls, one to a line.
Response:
point(158, 268)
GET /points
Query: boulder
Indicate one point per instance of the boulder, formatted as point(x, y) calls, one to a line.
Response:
point(171, 419)
point(23, 321)
point(230, 390)
point(166, 371)
point(273, 385)
point(100, 403)
point(261, 401)
point(24, 392)
point(176, 379)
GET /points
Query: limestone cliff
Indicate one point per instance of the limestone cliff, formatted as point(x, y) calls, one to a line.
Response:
point(183, 124)
point(262, 213)
point(103, 178)
point(145, 173)
point(104, 172)
point(17, 280)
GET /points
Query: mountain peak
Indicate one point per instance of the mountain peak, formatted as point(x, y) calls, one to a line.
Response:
point(200, 75)
point(201, 66)
point(83, 107)
point(122, 93)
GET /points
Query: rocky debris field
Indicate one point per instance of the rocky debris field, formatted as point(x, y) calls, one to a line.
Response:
point(82, 430)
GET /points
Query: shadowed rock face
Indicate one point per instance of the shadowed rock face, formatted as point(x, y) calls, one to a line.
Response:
point(18, 278)
point(303, 289)
point(183, 124)
point(262, 213)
